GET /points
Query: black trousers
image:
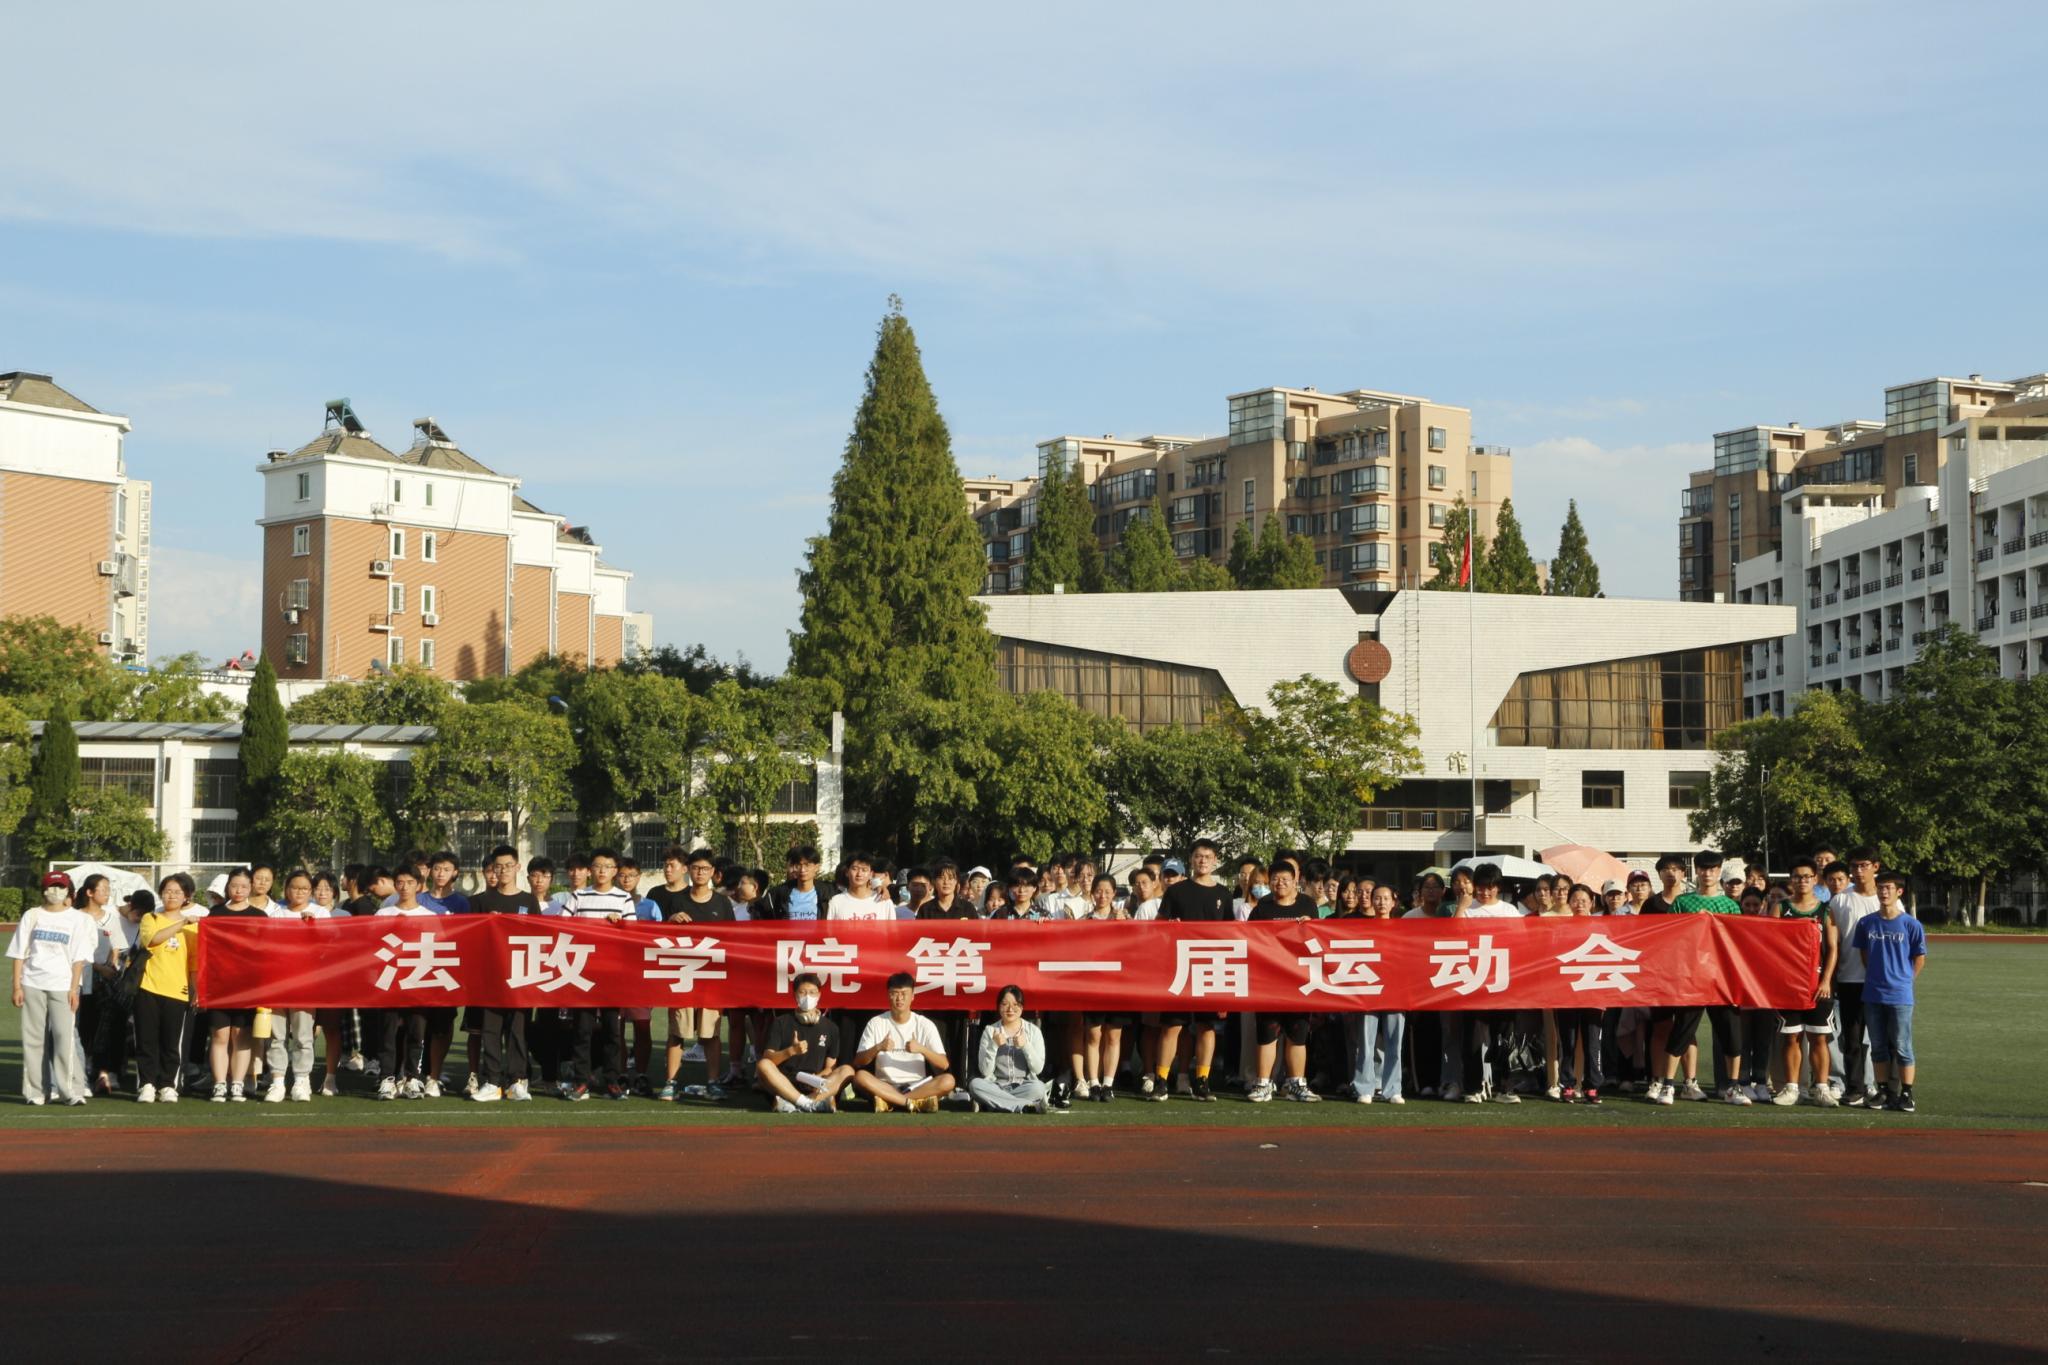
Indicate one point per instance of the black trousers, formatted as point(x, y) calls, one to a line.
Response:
point(410, 1028)
point(599, 1046)
point(160, 1028)
point(502, 1053)
point(1573, 1028)
point(1489, 1038)
point(1727, 1026)
point(1855, 1033)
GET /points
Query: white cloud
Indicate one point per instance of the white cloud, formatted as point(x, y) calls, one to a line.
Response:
point(200, 600)
point(1628, 500)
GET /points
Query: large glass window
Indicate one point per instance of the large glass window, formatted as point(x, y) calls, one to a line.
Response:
point(1738, 452)
point(1368, 516)
point(1687, 788)
point(1370, 478)
point(1137, 485)
point(1662, 701)
point(136, 776)
point(213, 840)
point(214, 782)
point(1141, 692)
point(1602, 789)
point(1257, 416)
point(1915, 407)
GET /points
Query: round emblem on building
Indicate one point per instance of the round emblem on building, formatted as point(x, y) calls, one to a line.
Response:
point(1369, 661)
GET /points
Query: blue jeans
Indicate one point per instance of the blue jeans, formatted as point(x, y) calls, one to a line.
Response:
point(1375, 1041)
point(1890, 1030)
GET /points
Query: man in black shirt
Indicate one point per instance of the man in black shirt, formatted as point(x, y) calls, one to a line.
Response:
point(699, 903)
point(1199, 898)
point(800, 1066)
point(500, 1056)
point(946, 901)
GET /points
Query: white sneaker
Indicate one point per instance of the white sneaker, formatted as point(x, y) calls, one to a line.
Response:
point(1555, 1092)
point(694, 1053)
point(354, 1062)
point(146, 1095)
point(1473, 1097)
point(1836, 1087)
point(1736, 1095)
point(274, 1092)
point(1261, 1093)
point(1825, 1099)
point(387, 1089)
point(1505, 1097)
point(1393, 1099)
point(302, 1090)
point(1366, 1097)
point(813, 1106)
point(487, 1094)
point(1692, 1091)
point(220, 1093)
point(782, 1106)
point(1183, 1085)
point(327, 1088)
point(471, 1086)
point(167, 1095)
point(1664, 1094)
point(519, 1092)
point(433, 1090)
point(1452, 1094)
point(413, 1090)
point(1787, 1096)
point(1082, 1090)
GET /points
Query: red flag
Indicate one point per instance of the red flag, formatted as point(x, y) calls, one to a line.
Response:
point(1465, 564)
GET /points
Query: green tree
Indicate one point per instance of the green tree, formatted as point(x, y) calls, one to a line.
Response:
point(406, 695)
point(1060, 542)
point(1323, 752)
point(1243, 564)
point(1180, 783)
point(53, 783)
point(17, 750)
point(758, 741)
point(171, 692)
point(1450, 555)
point(1203, 574)
point(1509, 569)
point(1789, 784)
point(1284, 560)
point(1573, 572)
point(265, 739)
point(921, 760)
point(1144, 560)
point(1047, 791)
point(888, 609)
point(640, 738)
point(112, 825)
point(330, 803)
point(695, 667)
point(44, 663)
point(494, 758)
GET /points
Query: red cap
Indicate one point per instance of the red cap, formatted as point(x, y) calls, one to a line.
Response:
point(51, 879)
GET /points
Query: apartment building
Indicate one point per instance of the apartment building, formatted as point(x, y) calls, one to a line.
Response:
point(1368, 476)
point(74, 528)
point(427, 556)
point(1872, 574)
point(1735, 511)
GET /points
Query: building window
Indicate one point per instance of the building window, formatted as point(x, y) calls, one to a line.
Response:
point(305, 487)
point(429, 600)
point(215, 781)
point(1437, 513)
point(397, 543)
point(799, 797)
point(1251, 499)
point(426, 654)
point(429, 494)
point(1144, 694)
point(1438, 437)
point(298, 594)
point(1475, 486)
point(1686, 789)
point(1681, 700)
point(297, 649)
point(302, 540)
point(1912, 469)
point(398, 490)
point(136, 776)
point(394, 651)
point(1439, 476)
point(213, 839)
point(430, 547)
point(1600, 789)
point(396, 601)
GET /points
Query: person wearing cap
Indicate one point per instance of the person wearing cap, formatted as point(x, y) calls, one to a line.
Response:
point(51, 947)
point(1614, 896)
point(978, 878)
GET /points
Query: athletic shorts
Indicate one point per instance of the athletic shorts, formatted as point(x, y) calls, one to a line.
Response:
point(1207, 1023)
point(637, 1016)
point(217, 1019)
point(1108, 1020)
point(1819, 1018)
point(1294, 1026)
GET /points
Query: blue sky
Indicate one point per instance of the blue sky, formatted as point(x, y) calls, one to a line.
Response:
point(636, 254)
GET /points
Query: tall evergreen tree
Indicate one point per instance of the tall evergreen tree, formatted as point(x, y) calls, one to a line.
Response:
point(1144, 560)
point(1064, 535)
point(1573, 572)
point(1094, 569)
point(1243, 563)
point(1450, 555)
point(1509, 568)
point(52, 790)
point(1203, 574)
point(1291, 560)
point(265, 739)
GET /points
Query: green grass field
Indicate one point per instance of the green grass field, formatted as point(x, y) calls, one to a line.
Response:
point(1979, 1029)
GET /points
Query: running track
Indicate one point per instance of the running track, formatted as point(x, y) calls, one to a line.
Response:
point(792, 1242)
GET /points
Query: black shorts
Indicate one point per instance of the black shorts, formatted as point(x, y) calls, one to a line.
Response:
point(1105, 1020)
point(217, 1019)
point(473, 1018)
point(441, 1021)
point(1271, 1026)
point(1207, 1023)
point(1820, 1018)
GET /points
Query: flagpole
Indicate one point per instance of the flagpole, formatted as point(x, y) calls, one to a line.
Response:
point(1471, 683)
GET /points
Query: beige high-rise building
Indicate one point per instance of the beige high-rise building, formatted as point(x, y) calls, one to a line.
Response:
point(74, 528)
point(1734, 511)
point(1368, 476)
point(427, 556)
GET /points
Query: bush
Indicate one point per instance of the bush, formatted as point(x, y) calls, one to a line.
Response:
point(13, 900)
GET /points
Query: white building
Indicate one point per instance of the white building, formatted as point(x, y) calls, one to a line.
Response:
point(1586, 720)
point(1870, 583)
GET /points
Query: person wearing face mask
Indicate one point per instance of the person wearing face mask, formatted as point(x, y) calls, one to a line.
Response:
point(800, 1065)
point(1007, 1064)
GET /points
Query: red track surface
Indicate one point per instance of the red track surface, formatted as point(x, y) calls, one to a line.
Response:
point(799, 1243)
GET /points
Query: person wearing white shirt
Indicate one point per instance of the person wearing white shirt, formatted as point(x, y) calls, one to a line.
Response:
point(291, 1031)
point(858, 901)
point(599, 1051)
point(911, 1070)
point(51, 948)
point(1849, 903)
point(408, 1026)
point(1487, 1031)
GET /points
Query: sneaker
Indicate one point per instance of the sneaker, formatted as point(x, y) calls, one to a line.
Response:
point(1569, 1095)
point(1393, 1099)
point(1261, 1093)
point(237, 1093)
point(373, 1068)
point(1105, 1093)
point(1835, 1084)
point(302, 1091)
point(1736, 1095)
point(714, 1092)
point(1366, 1097)
point(1554, 1093)
point(1761, 1093)
point(519, 1092)
point(1427, 1092)
point(387, 1089)
point(146, 1095)
point(1042, 1106)
point(576, 1094)
point(1902, 1103)
point(1301, 1092)
point(487, 1094)
point(881, 1105)
point(1505, 1097)
point(413, 1090)
point(1184, 1086)
point(1452, 1094)
point(220, 1094)
point(470, 1086)
point(782, 1106)
point(354, 1062)
point(1591, 1096)
point(1692, 1091)
point(694, 1053)
point(1664, 1094)
point(1472, 1097)
point(1200, 1090)
point(1157, 1091)
point(1787, 1096)
point(327, 1088)
point(1145, 1086)
point(807, 1105)
point(925, 1104)
point(167, 1095)
point(1857, 1100)
point(1873, 1099)
point(1824, 1098)
point(615, 1091)
point(432, 1090)
point(274, 1093)
point(667, 1093)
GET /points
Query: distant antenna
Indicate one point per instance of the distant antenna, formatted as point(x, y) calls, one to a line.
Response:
point(340, 414)
point(427, 429)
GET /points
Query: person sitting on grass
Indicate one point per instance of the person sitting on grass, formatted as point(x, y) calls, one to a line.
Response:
point(1011, 1055)
point(1893, 947)
point(800, 1065)
point(910, 1068)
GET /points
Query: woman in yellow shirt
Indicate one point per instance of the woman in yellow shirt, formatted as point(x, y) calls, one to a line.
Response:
point(163, 1005)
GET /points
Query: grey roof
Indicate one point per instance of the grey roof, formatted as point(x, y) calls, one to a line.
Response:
point(523, 505)
point(232, 730)
point(19, 386)
point(341, 443)
point(446, 455)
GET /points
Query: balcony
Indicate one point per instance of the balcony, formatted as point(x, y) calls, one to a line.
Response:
point(1986, 553)
point(1921, 637)
point(1894, 645)
point(1834, 656)
point(380, 621)
point(2037, 611)
point(2016, 615)
point(2015, 545)
point(1919, 572)
point(1893, 580)
point(1778, 670)
point(383, 511)
point(1813, 602)
point(2038, 539)
point(1852, 591)
point(1813, 661)
point(1937, 568)
point(1986, 621)
point(1831, 598)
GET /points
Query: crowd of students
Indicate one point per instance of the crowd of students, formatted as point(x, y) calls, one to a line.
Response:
point(103, 985)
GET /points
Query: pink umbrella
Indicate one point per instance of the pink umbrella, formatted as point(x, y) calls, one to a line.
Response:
point(1589, 865)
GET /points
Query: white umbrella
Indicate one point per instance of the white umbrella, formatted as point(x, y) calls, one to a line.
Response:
point(1511, 868)
point(123, 880)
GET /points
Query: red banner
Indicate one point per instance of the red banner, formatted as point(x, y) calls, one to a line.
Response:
point(1283, 966)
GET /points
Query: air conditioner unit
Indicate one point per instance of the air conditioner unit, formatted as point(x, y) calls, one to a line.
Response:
point(106, 637)
point(430, 618)
point(108, 568)
point(380, 568)
point(291, 616)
